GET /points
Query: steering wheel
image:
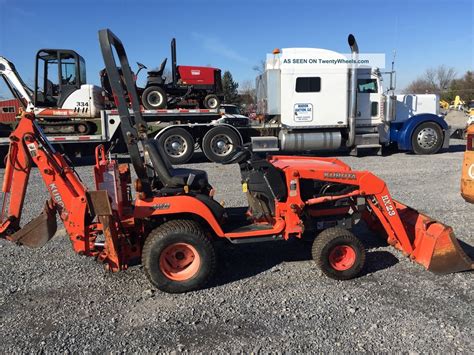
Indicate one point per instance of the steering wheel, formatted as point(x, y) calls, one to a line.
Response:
point(141, 66)
point(241, 154)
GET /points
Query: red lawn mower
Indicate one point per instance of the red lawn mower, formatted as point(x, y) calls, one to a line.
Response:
point(190, 85)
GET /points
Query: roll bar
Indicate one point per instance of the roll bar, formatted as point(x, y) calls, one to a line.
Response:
point(133, 126)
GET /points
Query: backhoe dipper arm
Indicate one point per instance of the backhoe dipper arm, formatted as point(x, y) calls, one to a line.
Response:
point(68, 195)
point(16, 85)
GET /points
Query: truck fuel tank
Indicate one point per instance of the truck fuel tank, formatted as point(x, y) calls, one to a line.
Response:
point(301, 141)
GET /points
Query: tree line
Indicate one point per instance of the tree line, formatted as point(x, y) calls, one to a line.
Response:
point(442, 81)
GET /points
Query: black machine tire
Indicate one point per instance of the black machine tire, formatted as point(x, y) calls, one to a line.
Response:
point(212, 102)
point(174, 234)
point(326, 252)
point(219, 143)
point(427, 138)
point(154, 98)
point(178, 145)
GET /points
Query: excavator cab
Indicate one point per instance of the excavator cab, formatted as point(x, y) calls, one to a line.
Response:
point(59, 73)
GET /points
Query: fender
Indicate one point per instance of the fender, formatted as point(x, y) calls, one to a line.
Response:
point(402, 132)
point(176, 205)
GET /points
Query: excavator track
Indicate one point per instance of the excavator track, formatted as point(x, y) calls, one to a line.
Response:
point(64, 126)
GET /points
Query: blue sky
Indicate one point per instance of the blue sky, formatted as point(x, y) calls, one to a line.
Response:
point(236, 35)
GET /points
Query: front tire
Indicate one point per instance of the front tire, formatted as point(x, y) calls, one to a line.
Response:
point(427, 138)
point(338, 253)
point(154, 98)
point(212, 102)
point(178, 257)
point(178, 145)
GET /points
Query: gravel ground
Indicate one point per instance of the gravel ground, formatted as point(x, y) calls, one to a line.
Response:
point(265, 297)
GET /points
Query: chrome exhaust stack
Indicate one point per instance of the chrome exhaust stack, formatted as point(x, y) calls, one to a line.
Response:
point(353, 89)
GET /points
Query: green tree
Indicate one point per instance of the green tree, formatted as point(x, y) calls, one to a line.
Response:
point(464, 87)
point(229, 86)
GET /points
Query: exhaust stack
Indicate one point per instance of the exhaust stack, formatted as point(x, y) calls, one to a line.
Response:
point(353, 89)
point(173, 60)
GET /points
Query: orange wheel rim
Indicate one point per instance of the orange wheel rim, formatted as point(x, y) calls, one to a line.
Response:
point(342, 257)
point(180, 261)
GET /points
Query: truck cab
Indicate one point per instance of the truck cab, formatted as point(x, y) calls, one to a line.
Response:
point(370, 97)
point(323, 101)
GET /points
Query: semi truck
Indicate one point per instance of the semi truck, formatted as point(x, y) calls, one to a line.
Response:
point(303, 107)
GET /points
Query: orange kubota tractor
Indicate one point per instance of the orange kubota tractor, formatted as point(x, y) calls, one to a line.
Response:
point(173, 222)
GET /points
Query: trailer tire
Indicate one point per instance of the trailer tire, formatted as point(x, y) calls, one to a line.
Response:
point(338, 253)
point(178, 145)
point(219, 143)
point(427, 138)
point(212, 102)
point(178, 257)
point(154, 98)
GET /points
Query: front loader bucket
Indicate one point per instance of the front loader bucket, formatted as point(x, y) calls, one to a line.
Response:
point(38, 231)
point(434, 244)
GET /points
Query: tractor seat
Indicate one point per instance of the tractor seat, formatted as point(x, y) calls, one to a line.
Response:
point(171, 177)
point(158, 71)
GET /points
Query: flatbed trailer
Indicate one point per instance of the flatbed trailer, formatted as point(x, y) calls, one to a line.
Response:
point(108, 123)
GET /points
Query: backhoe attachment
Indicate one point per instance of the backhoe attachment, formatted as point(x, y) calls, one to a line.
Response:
point(38, 231)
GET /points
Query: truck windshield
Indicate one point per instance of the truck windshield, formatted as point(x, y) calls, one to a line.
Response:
point(367, 86)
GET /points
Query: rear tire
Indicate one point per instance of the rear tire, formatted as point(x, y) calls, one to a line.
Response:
point(177, 144)
point(178, 257)
point(219, 143)
point(338, 253)
point(154, 98)
point(212, 102)
point(427, 138)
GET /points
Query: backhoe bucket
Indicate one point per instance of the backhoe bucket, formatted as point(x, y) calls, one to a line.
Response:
point(434, 244)
point(38, 231)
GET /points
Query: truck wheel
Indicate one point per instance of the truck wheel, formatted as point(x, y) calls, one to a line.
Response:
point(219, 143)
point(154, 98)
point(178, 145)
point(427, 138)
point(211, 102)
point(338, 253)
point(178, 257)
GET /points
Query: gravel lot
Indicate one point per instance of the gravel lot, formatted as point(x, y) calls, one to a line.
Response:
point(266, 297)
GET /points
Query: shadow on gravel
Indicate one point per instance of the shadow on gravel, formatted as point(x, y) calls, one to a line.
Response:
point(378, 260)
point(455, 148)
point(469, 249)
point(237, 262)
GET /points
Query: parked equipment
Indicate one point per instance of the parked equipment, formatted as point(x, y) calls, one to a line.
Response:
point(325, 107)
point(203, 85)
point(172, 223)
point(61, 99)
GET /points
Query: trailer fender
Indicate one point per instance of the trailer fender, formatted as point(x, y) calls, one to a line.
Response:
point(401, 133)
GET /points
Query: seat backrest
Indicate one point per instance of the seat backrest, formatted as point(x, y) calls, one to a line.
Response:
point(161, 164)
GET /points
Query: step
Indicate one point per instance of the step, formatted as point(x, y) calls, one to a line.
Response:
point(367, 139)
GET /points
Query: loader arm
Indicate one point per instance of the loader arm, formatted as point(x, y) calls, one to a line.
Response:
point(16, 84)
point(68, 194)
point(421, 238)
